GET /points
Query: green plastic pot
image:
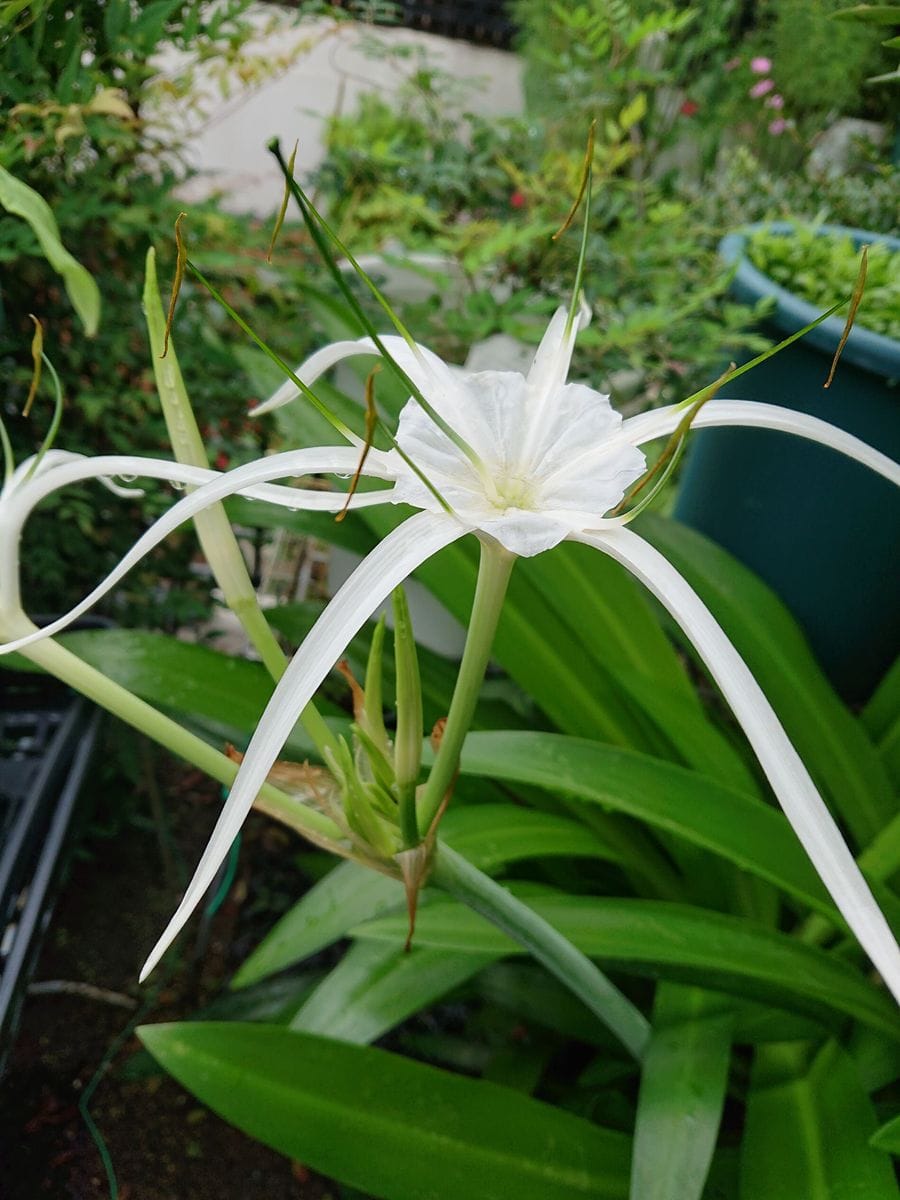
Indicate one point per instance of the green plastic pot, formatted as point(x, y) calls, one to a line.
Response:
point(822, 531)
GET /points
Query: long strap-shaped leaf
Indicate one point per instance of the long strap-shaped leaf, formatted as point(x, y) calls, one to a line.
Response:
point(808, 1126)
point(394, 1128)
point(683, 1079)
point(673, 800)
point(665, 940)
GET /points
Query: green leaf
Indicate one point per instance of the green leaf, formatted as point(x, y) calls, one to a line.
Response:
point(873, 14)
point(393, 1128)
point(377, 985)
point(633, 112)
point(11, 9)
point(750, 834)
point(807, 1130)
point(23, 201)
point(492, 835)
point(227, 694)
point(489, 835)
point(668, 941)
point(887, 1138)
point(683, 1078)
point(881, 718)
point(691, 736)
point(834, 746)
point(347, 895)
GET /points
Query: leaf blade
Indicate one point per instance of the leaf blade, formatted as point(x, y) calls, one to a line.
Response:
point(393, 1127)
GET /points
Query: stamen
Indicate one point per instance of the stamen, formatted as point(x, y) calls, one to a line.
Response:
point(37, 349)
point(9, 462)
point(771, 352)
point(317, 225)
point(585, 191)
point(855, 299)
point(371, 422)
point(665, 464)
point(279, 220)
point(55, 421)
point(585, 174)
point(180, 263)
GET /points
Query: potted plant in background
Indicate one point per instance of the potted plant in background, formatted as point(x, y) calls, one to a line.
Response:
point(828, 511)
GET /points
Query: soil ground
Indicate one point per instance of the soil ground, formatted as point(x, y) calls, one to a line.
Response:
point(121, 888)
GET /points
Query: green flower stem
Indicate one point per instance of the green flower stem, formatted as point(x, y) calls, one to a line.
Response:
point(490, 591)
point(217, 538)
point(456, 875)
point(65, 665)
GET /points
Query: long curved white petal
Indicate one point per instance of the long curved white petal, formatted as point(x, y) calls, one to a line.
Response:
point(662, 421)
point(212, 488)
point(428, 372)
point(406, 548)
point(313, 368)
point(796, 792)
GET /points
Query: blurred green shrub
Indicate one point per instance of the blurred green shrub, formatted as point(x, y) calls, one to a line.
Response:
point(821, 267)
point(74, 81)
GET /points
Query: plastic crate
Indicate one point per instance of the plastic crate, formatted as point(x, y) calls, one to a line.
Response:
point(47, 736)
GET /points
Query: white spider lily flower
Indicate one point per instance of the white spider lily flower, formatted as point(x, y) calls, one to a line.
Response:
point(551, 460)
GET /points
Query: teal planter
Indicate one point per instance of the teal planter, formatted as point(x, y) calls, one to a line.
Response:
point(822, 531)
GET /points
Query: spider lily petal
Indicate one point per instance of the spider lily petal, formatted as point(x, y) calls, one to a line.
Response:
point(796, 792)
point(406, 548)
point(662, 421)
point(212, 487)
point(427, 371)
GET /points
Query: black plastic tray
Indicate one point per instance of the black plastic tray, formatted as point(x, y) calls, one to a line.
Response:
point(47, 736)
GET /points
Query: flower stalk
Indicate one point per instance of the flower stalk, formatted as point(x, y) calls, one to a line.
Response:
point(408, 740)
point(456, 875)
point(494, 570)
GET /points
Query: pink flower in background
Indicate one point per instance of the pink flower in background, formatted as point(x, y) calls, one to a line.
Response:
point(689, 108)
point(517, 199)
point(778, 126)
point(760, 66)
point(761, 88)
point(732, 64)
point(776, 101)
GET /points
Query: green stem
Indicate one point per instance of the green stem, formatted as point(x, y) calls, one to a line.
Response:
point(493, 578)
point(65, 665)
point(456, 875)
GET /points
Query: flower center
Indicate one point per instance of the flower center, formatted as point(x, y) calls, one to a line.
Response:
point(512, 491)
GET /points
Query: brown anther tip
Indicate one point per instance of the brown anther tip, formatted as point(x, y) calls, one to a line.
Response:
point(437, 733)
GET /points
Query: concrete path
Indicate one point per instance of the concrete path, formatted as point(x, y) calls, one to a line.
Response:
point(316, 67)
